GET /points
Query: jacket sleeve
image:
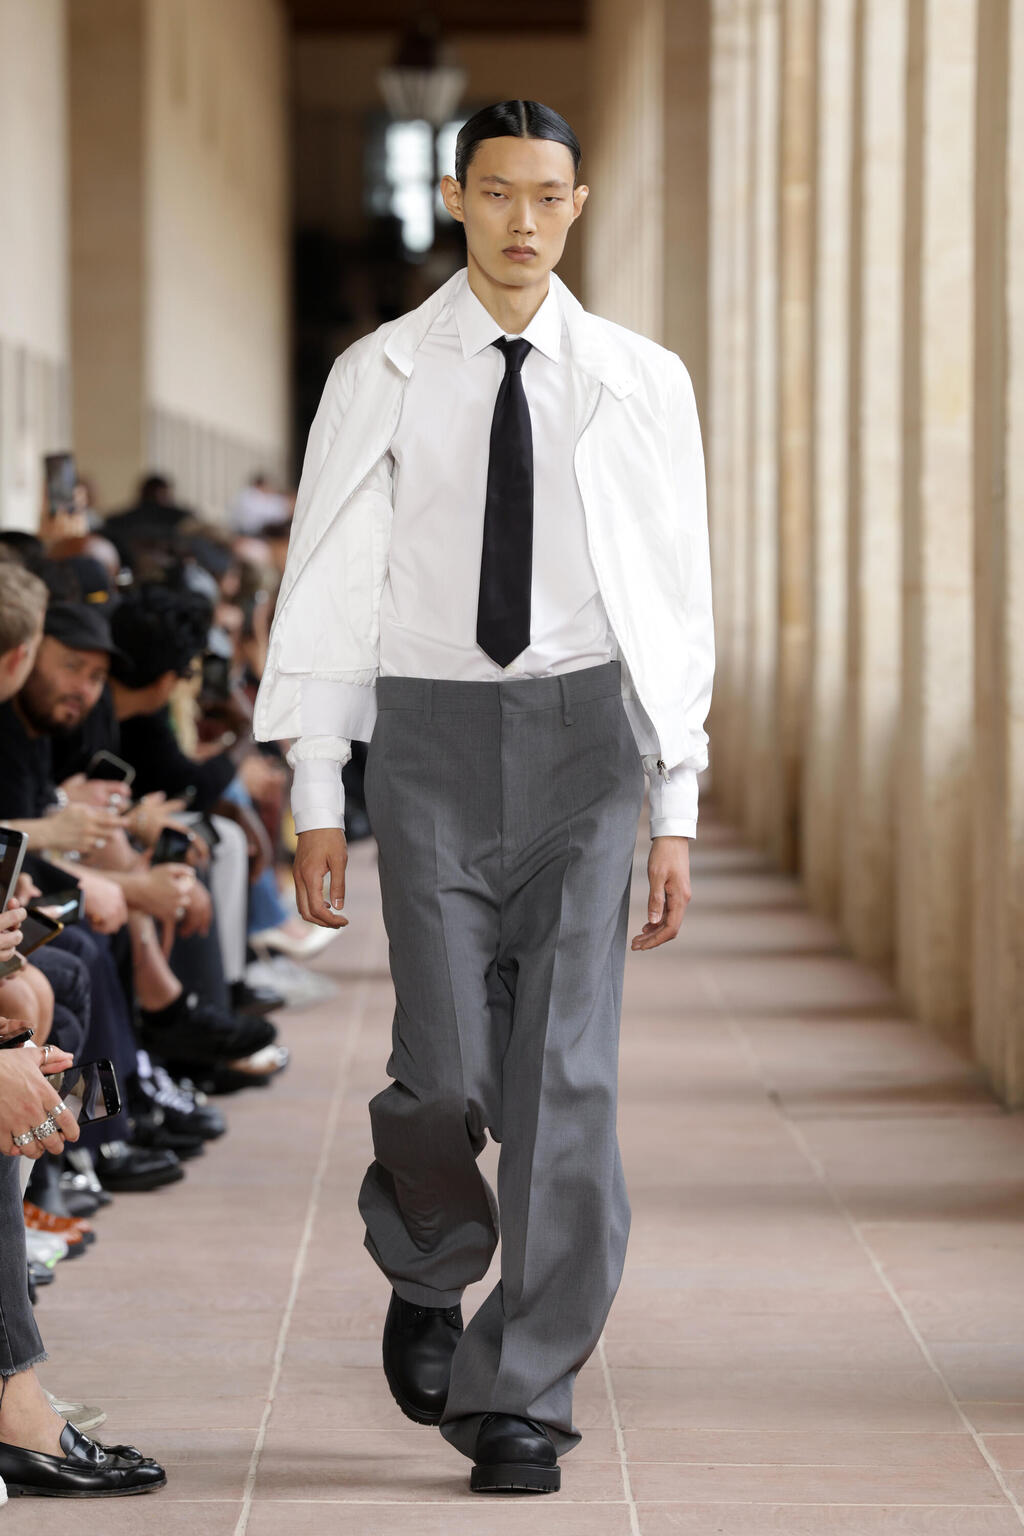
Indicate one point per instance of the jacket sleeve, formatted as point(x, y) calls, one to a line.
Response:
point(283, 706)
point(691, 500)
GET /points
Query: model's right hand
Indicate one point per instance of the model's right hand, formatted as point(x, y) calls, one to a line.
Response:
point(321, 852)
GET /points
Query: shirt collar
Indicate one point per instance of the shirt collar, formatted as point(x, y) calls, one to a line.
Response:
point(478, 327)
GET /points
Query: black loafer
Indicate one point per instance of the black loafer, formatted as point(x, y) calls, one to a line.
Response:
point(418, 1346)
point(87, 1470)
point(514, 1456)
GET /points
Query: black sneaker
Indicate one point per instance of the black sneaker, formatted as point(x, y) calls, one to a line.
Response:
point(121, 1167)
point(191, 1030)
point(186, 1112)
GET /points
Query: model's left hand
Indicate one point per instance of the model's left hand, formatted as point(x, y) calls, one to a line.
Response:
point(668, 870)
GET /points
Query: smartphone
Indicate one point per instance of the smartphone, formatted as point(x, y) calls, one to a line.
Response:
point(37, 930)
point(23, 1037)
point(64, 906)
point(216, 676)
point(172, 846)
point(12, 856)
point(89, 1091)
point(61, 479)
point(208, 832)
point(105, 765)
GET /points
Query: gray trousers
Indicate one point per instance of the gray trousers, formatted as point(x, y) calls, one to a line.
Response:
point(506, 816)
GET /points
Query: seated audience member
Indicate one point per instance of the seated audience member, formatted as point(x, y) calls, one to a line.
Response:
point(153, 520)
point(63, 688)
point(40, 1453)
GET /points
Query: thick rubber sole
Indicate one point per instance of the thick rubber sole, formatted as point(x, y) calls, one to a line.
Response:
point(19, 1491)
point(515, 1477)
point(410, 1410)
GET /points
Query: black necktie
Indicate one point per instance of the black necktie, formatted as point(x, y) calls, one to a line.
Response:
point(506, 563)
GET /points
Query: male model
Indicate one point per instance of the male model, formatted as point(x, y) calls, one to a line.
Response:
point(499, 577)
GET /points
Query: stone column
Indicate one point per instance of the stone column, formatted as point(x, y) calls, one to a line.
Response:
point(873, 569)
point(998, 798)
point(718, 444)
point(687, 92)
point(734, 628)
point(796, 327)
point(823, 805)
point(762, 535)
point(108, 278)
point(934, 911)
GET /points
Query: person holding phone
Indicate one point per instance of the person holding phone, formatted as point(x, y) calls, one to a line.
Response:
point(41, 1453)
point(10, 930)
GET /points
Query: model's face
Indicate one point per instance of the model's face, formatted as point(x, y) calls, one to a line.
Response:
point(517, 206)
point(64, 686)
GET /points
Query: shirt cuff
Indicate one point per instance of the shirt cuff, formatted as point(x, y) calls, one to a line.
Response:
point(318, 794)
point(673, 803)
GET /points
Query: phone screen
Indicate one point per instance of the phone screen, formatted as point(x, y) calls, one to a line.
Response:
point(61, 478)
point(172, 846)
point(63, 906)
point(36, 930)
point(12, 852)
point(89, 1091)
point(105, 765)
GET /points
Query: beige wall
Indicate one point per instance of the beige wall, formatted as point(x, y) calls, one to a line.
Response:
point(216, 217)
point(179, 254)
point(33, 251)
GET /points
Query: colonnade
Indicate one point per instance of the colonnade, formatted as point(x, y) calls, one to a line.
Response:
point(865, 440)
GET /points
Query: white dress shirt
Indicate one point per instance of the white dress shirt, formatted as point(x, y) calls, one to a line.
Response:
point(436, 477)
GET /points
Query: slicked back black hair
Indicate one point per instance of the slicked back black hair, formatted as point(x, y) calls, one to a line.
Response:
point(514, 120)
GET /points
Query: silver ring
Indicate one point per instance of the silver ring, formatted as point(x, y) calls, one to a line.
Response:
point(46, 1051)
point(23, 1141)
point(47, 1128)
point(179, 913)
point(58, 1109)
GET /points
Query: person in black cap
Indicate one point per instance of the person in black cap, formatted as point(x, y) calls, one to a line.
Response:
point(65, 684)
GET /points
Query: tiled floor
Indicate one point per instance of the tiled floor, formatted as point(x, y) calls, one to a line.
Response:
point(819, 1330)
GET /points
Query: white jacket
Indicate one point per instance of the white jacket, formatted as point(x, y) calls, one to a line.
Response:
point(640, 470)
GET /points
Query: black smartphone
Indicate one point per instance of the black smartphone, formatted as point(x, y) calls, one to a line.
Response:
point(61, 479)
point(37, 930)
point(106, 765)
point(208, 832)
point(12, 856)
point(216, 676)
point(65, 906)
point(172, 846)
point(90, 1091)
point(23, 1037)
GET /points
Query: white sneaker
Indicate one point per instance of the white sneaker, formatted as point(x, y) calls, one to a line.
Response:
point(79, 1414)
point(45, 1248)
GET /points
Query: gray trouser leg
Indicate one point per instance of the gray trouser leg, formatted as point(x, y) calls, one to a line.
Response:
point(506, 816)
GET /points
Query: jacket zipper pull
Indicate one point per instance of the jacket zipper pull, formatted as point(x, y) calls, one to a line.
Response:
point(664, 771)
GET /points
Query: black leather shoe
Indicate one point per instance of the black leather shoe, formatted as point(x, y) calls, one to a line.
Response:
point(514, 1456)
point(121, 1167)
point(254, 1002)
point(85, 1471)
point(418, 1346)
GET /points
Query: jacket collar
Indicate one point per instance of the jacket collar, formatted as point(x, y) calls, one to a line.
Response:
point(594, 351)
